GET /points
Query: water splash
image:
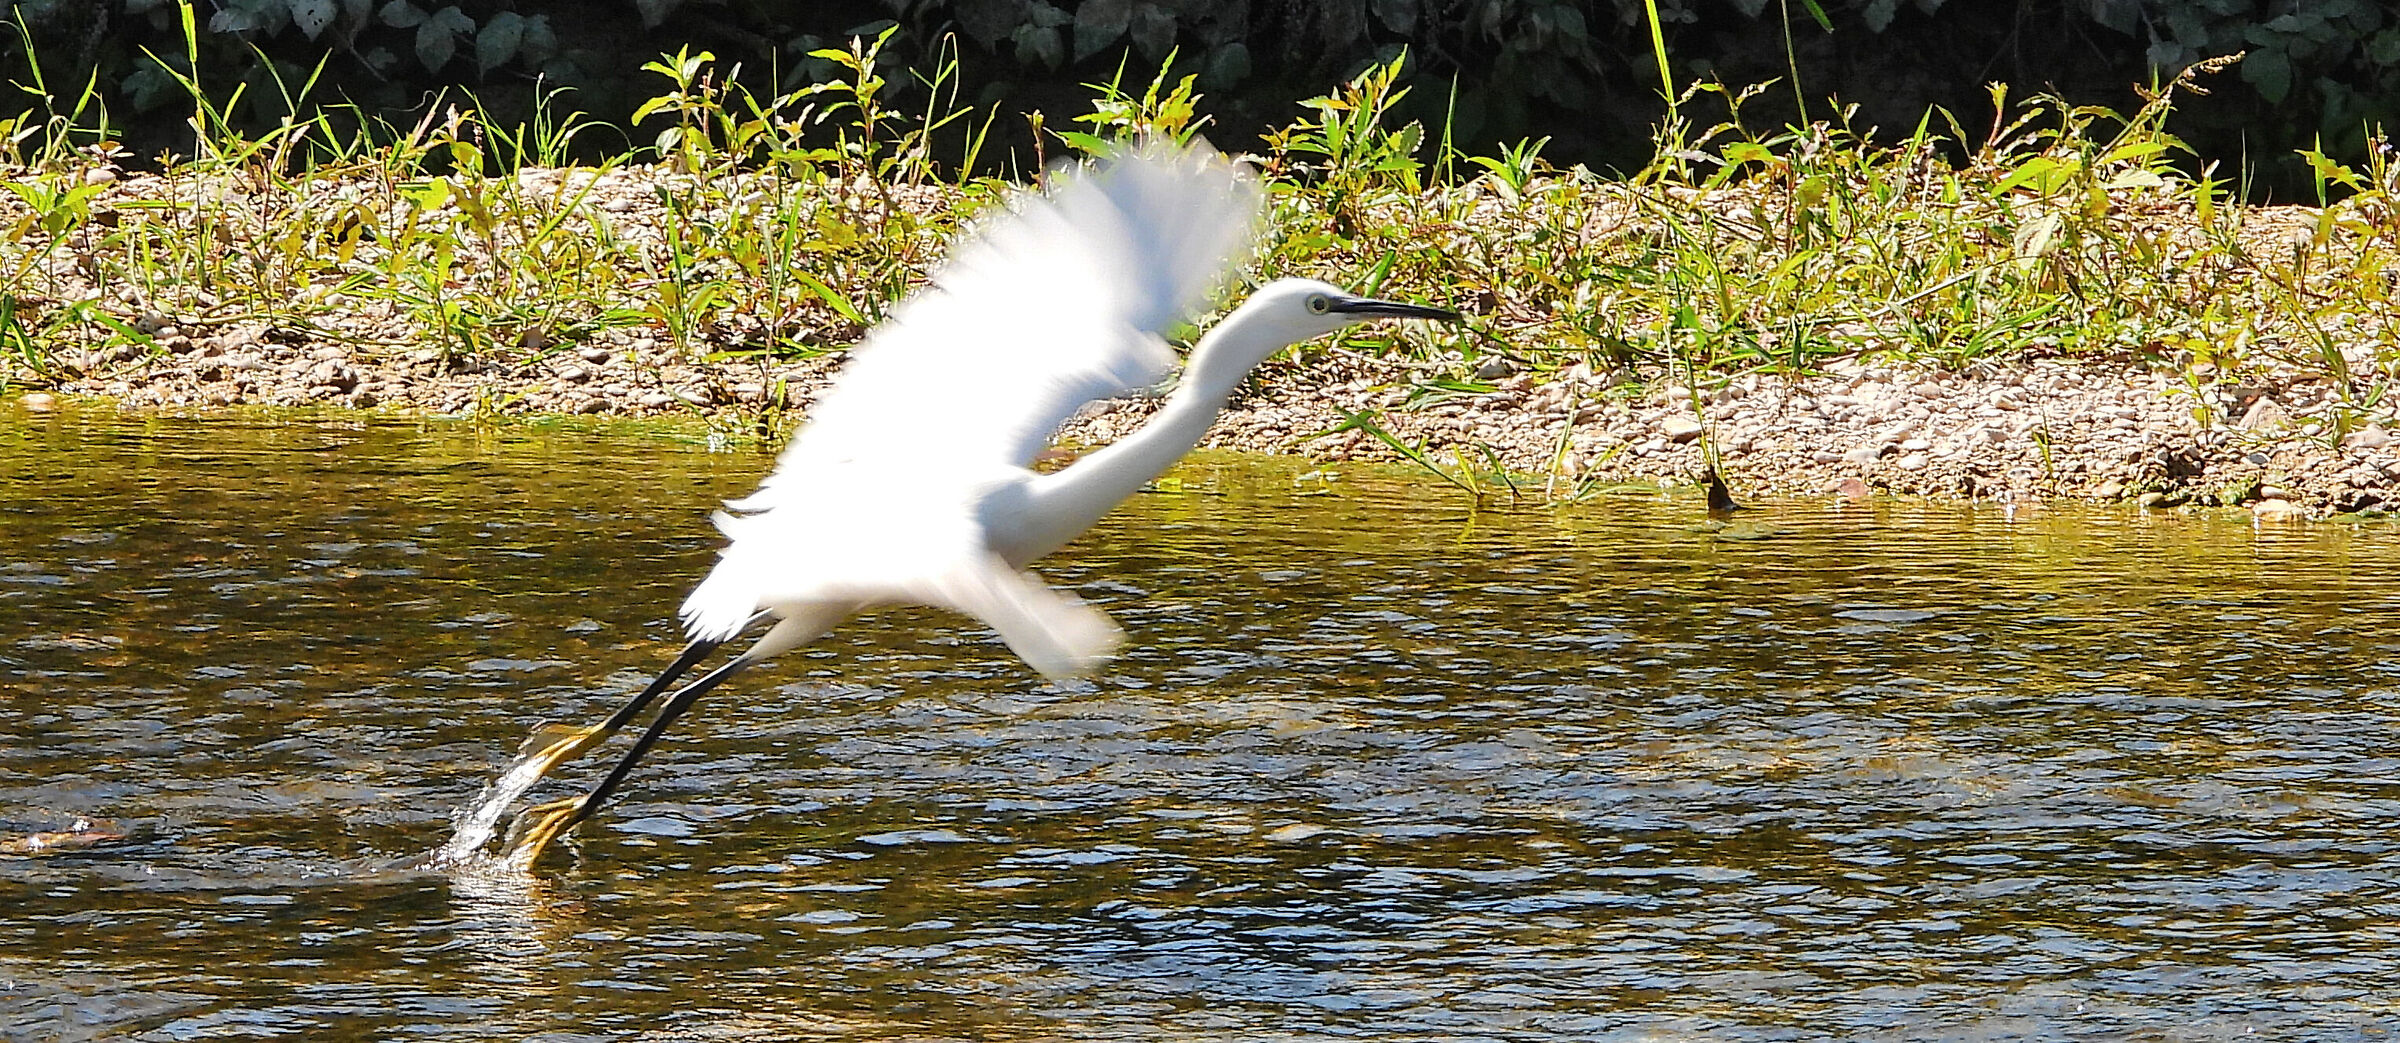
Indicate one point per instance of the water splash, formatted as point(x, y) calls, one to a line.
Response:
point(477, 823)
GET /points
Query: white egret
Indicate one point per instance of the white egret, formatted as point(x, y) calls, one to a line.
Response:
point(909, 484)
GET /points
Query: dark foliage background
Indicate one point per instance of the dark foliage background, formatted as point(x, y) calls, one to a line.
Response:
point(1578, 71)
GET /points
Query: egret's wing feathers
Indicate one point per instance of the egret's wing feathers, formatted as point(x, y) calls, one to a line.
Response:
point(1055, 302)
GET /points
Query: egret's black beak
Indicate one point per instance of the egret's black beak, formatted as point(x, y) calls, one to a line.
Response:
point(1392, 309)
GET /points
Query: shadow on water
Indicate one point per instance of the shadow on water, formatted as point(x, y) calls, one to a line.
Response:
point(1372, 767)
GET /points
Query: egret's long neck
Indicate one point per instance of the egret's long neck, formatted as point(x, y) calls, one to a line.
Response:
point(1064, 504)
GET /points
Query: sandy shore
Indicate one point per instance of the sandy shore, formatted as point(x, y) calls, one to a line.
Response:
point(2022, 430)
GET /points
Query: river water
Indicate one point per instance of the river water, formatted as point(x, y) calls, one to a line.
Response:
point(1374, 766)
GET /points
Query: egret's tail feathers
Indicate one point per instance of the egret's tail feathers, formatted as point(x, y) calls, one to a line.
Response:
point(721, 605)
point(1052, 630)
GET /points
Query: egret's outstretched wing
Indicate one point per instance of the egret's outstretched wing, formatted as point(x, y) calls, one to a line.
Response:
point(1051, 304)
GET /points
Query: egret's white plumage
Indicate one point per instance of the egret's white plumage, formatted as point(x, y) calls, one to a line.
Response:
point(1059, 300)
point(910, 482)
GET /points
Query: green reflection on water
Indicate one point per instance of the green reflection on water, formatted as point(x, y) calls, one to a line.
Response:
point(1374, 765)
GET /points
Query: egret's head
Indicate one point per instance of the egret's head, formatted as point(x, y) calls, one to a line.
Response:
point(1306, 308)
point(1282, 313)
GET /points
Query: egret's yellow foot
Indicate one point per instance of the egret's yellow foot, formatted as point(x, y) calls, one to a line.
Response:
point(537, 826)
point(551, 744)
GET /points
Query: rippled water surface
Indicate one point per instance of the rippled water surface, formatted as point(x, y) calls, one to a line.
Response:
point(1373, 766)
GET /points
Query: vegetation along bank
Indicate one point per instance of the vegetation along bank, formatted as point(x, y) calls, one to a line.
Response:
point(2062, 313)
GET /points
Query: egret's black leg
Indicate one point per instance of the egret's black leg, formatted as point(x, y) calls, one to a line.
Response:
point(537, 826)
point(692, 653)
point(676, 705)
point(554, 744)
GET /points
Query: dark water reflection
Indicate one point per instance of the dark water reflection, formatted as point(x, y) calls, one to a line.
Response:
point(1372, 768)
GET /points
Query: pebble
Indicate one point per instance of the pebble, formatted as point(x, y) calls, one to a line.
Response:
point(332, 374)
point(2264, 415)
point(2278, 511)
point(1865, 454)
point(1680, 429)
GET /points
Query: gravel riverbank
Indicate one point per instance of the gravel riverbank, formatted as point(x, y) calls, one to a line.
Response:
point(2162, 431)
point(2019, 430)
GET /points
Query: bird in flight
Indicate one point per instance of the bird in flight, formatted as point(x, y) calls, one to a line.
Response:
point(910, 482)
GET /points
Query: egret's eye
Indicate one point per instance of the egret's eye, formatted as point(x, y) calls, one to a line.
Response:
point(1319, 304)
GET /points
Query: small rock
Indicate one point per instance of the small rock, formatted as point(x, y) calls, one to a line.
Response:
point(1494, 368)
point(331, 373)
point(1852, 489)
point(694, 396)
point(38, 401)
point(596, 355)
point(591, 405)
point(1865, 454)
point(2372, 436)
point(2278, 511)
point(1911, 462)
point(2264, 414)
point(1680, 429)
point(573, 374)
point(653, 400)
point(2110, 490)
point(1915, 445)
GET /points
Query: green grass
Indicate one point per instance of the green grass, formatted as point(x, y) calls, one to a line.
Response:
point(785, 226)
